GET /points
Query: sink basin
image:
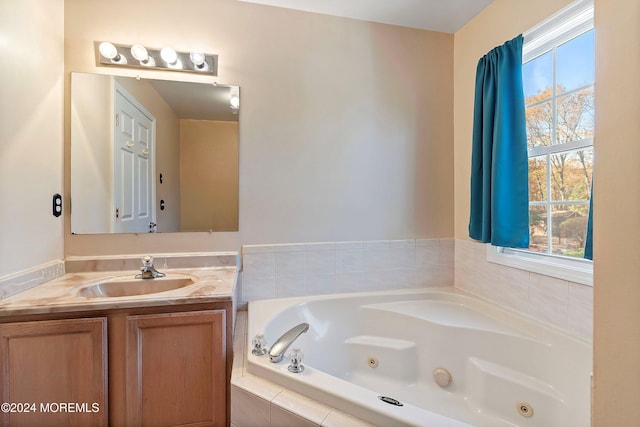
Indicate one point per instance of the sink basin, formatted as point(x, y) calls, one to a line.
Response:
point(126, 286)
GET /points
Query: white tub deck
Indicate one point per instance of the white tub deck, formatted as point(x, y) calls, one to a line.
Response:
point(497, 359)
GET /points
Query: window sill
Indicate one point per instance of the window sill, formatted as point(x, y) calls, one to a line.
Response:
point(573, 270)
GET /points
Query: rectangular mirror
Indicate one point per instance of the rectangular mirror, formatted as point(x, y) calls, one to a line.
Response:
point(153, 155)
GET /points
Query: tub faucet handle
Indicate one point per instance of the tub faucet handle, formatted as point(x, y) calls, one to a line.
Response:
point(259, 345)
point(295, 361)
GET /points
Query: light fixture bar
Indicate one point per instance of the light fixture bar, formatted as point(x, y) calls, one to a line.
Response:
point(191, 62)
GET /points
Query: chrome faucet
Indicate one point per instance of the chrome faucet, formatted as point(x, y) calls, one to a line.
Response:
point(148, 271)
point(282, 344)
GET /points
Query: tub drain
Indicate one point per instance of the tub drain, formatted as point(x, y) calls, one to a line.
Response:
point(390, 400)
point(373, 362)
point(525, 409)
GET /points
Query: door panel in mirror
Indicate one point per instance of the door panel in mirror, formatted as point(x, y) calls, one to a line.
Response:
point(195, 129)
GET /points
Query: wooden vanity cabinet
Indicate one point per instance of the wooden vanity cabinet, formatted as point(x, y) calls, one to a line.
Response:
point(175, 369)
point(54, 373)
point(151, 366)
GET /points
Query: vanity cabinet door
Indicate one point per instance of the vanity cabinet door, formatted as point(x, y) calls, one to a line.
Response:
point(176, 369)
point(54, 373)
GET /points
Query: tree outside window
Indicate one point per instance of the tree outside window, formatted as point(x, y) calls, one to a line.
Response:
point(559, 93)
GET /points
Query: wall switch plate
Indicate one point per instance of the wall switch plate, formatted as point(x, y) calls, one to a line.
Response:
point(57, 205)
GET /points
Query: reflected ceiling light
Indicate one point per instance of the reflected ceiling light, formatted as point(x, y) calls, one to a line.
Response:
point(138, 56)
point(234, 99)
point(110, 51)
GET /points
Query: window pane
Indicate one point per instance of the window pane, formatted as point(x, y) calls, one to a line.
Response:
point(569, 229)
point(539, 125)
point(538, 228)
point(538, 179)
point(575, 62)
point(575, 116)
point(571, 175)
point(537, 76)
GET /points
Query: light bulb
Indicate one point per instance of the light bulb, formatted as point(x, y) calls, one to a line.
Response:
point(169, 55)
point(109, 51)
point(234, 97)
point(198, 59)
point(235, 102)
point(139, 52)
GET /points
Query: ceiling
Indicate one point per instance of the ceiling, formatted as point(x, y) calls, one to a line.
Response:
point(196, 101)
point(437, 15)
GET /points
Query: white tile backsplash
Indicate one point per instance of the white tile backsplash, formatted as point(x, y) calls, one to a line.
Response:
point(349, 260)
point(563, 304)
point(321, 246)
point(290, 263)
point(338, 267)
point(259, 263)
point(402, 257)
point(257, 287)
point(287, 270)
point(350, 282)
point(320, 262)
point(320, 284)
point(428, 256)
point(290, 286)
point(376, 258)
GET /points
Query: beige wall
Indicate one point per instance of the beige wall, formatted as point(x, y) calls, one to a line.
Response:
point(31, 117)
point(617, 215)
point(345, 126)
point(208, 175)
point(92, 153)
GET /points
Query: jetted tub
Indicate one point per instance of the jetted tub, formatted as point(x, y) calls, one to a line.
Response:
point(505, 370)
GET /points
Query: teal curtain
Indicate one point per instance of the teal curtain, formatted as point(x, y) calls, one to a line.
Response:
point(499, 164)
point(588, 243)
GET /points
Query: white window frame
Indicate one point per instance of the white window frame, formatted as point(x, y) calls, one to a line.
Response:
point(570, 22)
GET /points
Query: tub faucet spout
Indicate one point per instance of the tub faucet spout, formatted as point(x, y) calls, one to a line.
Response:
point(282, 344)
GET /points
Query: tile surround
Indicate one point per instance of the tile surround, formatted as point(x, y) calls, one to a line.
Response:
point(563, 304)
point(258, 402)
point(301, 269)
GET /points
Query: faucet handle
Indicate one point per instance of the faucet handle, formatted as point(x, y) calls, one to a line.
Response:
point(259, 345)
point(295, 361)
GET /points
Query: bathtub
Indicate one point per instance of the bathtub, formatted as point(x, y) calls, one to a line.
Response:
point(377, 357)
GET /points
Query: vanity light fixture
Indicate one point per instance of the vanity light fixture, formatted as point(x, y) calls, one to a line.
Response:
point(138, 56)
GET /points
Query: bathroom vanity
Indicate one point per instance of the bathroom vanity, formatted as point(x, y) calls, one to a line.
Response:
point(156, 358)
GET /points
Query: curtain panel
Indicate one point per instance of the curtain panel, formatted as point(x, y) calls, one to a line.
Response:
point(499, 163)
